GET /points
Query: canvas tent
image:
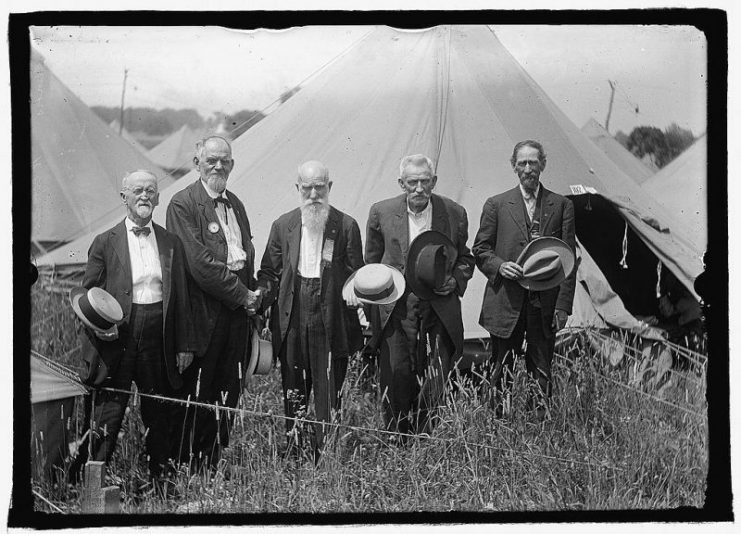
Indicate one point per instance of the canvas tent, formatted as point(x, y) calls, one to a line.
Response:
point(620, 156)
point(127, 136)
point(53, 394)
point(455, 94)
point(175, 153)
point(77, 162)
point(681, 187)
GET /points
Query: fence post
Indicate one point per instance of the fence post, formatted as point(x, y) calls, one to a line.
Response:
point(95, 498)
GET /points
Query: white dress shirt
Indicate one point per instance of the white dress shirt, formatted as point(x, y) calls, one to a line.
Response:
point(310, 256)
point(530, 200)
point(146, 270)
point(235, 254)
point(419, 222)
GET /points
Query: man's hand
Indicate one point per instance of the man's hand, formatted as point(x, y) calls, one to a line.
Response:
point(352, 300)
point(254, 299)
point(559, 320)
point(184, 360)
point(447, 287)
point(510, 270)
point(109, 335)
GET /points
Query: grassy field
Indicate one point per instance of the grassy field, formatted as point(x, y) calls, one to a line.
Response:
point(625, 435)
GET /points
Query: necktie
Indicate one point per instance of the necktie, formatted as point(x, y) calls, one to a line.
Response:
point(222, 200)
point(139, 230)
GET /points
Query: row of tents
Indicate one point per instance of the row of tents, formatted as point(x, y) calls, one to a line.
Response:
point(457, 95)
point(453, 93)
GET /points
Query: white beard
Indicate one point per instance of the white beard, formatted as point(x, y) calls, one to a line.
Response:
point(314, 216)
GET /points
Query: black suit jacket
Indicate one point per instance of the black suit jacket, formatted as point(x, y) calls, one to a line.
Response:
point(501, 237)
point(189, 215)
point(387, 241)
point(109, 267)
point(279, 271)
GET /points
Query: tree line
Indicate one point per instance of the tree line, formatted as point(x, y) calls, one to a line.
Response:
point(661, 146)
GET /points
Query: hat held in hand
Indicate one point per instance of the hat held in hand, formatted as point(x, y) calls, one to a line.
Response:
point(429, 263)
point(96, 308)
point(375, 283)
point(545, 262)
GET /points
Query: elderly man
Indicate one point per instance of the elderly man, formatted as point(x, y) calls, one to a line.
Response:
point(408, 327)
point(510, 312)
point(311, 251)
point(143, 267)
point(213, 226)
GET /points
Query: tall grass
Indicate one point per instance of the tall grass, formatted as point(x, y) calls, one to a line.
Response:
point(614, 440)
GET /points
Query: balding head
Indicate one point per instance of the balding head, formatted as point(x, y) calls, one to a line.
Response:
point(132, 176)
point(214, 162)
point(311, 171)
point(313, 187)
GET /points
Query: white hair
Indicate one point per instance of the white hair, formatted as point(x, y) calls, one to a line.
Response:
point(201, 145)
point(418, 160)
point(125, 179)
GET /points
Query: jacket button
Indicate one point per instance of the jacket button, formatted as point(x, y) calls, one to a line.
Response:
point(126, 291)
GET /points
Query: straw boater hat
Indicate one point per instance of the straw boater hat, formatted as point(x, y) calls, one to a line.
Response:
point(261, 356)
point(429, 263)
point(545, 262)
point(96, 308)
point(375, 283)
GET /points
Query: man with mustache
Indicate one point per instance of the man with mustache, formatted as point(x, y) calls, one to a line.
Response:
point(510, 312)
point(142, 266)
point(213, 226)
point(406, 328)
point(311, 252)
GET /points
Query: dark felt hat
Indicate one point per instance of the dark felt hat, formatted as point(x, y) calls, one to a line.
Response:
point(429, 263)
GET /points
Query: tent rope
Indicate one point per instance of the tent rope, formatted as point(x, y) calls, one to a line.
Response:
point(658, 280)
point(623, 262)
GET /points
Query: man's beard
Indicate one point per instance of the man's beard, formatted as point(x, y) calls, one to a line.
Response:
point(314, 216)
point(216, 183)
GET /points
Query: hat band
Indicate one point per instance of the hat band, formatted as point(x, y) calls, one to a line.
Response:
point(375, 296)
point(92, 315)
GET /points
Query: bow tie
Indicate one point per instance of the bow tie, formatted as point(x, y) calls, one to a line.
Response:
point(222, 200)
point(139, 230)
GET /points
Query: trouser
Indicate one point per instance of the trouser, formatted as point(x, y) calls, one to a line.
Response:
point(143, 362)
point(213, 378)
point(306, 363)
point(538, 357)
point(415, 360)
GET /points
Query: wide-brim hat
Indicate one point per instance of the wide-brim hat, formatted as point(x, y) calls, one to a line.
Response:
point(430, 261)
point(375, 283)
point(546, 262)
point(96, 308)
point(261, 356)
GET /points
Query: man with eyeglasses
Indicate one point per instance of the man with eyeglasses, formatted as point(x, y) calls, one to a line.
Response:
point(509, 312)
point(142, 266)
point(213, 226)
point(419, 338)
point(311, 252)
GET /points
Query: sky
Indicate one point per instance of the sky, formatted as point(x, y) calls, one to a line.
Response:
point(658, 70)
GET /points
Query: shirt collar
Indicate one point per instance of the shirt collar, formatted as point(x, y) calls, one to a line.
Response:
point(526, 195)
point(210, 193)
point(424, 213)
point(131, 224)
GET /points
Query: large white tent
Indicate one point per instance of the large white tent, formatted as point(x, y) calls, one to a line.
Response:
point(77, 162)
point(457, 95)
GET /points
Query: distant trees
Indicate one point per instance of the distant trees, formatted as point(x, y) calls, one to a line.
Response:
point(662, 146)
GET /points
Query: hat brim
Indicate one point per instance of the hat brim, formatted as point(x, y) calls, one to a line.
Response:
point(74, 298)
point(398, 290)
point(261, 356)
point(430, 237)
point(568, 261)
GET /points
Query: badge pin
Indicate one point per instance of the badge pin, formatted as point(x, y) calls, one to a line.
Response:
point(213, 227)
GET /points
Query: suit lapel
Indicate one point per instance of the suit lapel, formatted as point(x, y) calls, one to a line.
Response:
point(294, 239)
point(120, 243)
point(516, 206)
point(164, 248)
point(401, 222)
point(440, 219)
point(546, 210)
point(206, 205)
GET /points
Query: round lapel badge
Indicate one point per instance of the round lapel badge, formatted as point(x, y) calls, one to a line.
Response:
point(213, 227)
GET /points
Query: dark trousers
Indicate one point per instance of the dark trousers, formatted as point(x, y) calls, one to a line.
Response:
point(305, 363)
point(213, 378)
point(413, 383)
point(143, 362)
point(538, 356)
